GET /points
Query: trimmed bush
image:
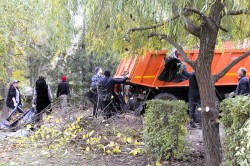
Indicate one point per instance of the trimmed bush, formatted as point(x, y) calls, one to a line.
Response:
point(164, 129)
point(236, 120)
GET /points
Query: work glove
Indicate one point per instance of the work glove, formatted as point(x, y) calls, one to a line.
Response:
point(15, 104)
point(232, 94)
point(33, 105)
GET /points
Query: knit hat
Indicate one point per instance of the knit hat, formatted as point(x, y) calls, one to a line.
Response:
point(97, 69)
point(64, 78)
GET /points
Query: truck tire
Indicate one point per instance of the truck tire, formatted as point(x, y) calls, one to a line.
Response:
point(165, 96)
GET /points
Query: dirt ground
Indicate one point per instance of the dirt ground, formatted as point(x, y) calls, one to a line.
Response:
point(13, 154)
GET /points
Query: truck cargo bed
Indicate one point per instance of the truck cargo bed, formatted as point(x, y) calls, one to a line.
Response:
point(144, 70)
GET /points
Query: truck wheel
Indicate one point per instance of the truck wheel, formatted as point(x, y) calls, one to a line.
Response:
point(165, 96)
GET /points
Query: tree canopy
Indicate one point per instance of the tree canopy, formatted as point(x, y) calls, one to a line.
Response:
point(34, 28)
point(126, 25)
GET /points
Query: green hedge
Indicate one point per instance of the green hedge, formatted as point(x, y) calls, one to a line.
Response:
point(236, 120)
point(164, 129)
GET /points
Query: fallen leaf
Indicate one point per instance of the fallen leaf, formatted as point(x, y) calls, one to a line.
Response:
point(129, 140)
point(87, 149)
point(28, 126)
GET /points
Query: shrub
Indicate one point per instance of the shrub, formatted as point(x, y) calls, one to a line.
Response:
point(164, 129)
point(236, 120)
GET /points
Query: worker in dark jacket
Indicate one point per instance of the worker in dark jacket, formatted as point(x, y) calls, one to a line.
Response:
point(243, 85)
point(193, 97)
point(13, 99)
point(63, 93)
point(107, 85)
point(42, 97)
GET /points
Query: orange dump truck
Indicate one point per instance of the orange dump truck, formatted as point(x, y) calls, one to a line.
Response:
point(145, 70)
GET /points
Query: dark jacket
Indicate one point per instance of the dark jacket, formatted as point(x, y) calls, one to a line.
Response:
point(193, 85)
point(42, 95)
point(11, 94)
point(62, 89)
point(108, 83)
point(243, 86)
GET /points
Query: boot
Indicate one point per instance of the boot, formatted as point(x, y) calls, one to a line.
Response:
point(192, 125)
point(199, 125)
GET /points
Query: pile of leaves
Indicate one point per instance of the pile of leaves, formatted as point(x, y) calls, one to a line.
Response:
point(81, 134)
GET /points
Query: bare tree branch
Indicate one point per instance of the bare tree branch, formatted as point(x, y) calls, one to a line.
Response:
point(238, 12)
point(202, 15)
point(177, 46)
point(127, 37)
point(217, 76)
point(223, 29)
point(192, 28)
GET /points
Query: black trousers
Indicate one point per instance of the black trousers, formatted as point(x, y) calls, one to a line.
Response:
point(194, 104)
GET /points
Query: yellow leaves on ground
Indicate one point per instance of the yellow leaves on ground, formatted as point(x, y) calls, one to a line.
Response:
point(136, 143)
point(116, 149)
point(118, 135)
point(73, 126)
point(91, 133)
point(111, 144)
point(91, 140)
point(78, 119)
point(100, 146)
point(112, 147)
point(29, 126)
point(87, 149)
point(135, 151)
point(129, 140)
point(48, 117)
point(158, 163)
point(108, 152)
point(57, 121)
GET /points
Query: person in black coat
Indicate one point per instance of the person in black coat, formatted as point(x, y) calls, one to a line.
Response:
point(193, 97)
point(14, 99)
point(14, 96)
point(63, 92)
point(42, 97)
point(63, 87)
point(243, 85)
point(107, 85)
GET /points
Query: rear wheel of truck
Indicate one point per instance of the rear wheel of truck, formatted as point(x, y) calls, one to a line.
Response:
point(165, 96)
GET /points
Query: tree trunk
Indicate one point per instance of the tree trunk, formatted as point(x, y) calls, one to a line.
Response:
point(209, 103)
point(5, 111)
point(2, 94)
point(32, 71)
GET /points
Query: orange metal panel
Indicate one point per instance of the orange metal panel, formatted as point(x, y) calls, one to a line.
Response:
point(145, 70)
